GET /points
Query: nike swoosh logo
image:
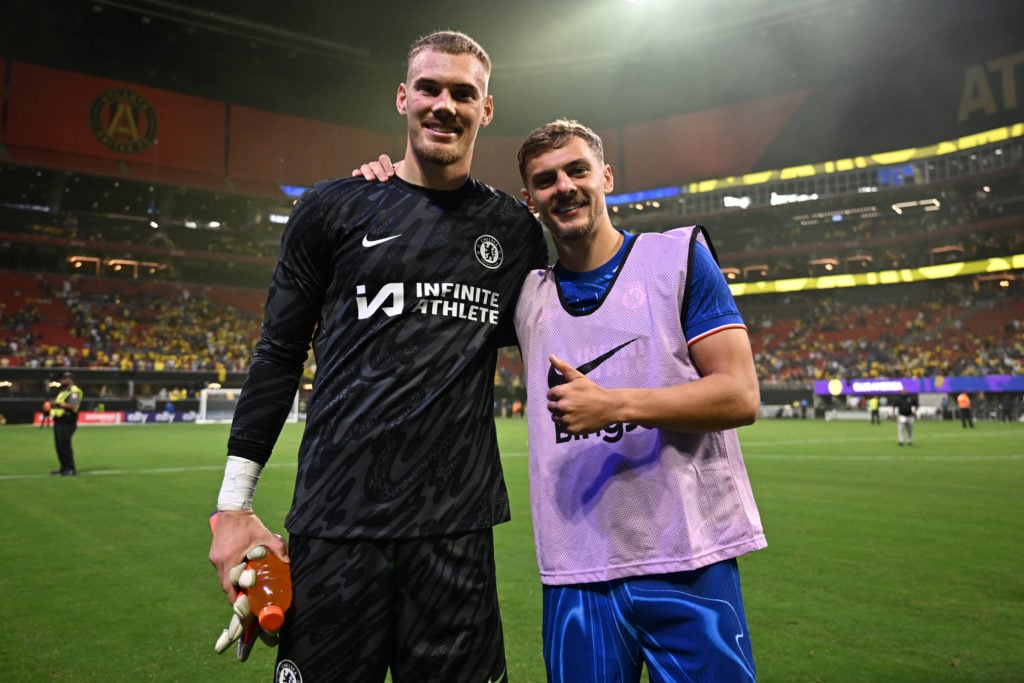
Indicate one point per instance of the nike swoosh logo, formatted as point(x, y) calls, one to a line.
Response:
point(367, 242)
point(555, 379)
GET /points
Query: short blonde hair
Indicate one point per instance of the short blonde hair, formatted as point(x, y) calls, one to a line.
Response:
point(554, 135)
point(450, 43)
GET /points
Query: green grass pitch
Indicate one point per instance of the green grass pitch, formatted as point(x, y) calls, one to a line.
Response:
point(883, 563)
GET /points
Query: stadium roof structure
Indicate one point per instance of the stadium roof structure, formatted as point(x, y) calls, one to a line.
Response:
point(606, 62)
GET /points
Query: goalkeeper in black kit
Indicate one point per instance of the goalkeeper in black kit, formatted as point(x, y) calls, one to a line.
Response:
point(405, 290)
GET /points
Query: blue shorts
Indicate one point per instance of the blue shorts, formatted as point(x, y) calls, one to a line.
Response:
point(687, 626)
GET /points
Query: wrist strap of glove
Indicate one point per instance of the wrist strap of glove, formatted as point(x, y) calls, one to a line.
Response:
point(239, 485)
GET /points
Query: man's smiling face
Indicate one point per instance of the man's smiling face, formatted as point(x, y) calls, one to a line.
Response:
point(445, 102)
point(566, 187)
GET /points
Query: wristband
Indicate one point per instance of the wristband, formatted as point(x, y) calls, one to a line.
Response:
point(239, 485)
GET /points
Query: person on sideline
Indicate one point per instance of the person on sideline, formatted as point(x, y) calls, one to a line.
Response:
point(963, 402)
point(873, 405)
point(406, 290)
point(64, 411)
point(1006, 408)
point(904, 410)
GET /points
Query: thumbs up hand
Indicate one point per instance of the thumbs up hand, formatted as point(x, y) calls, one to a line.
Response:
point(579, 405)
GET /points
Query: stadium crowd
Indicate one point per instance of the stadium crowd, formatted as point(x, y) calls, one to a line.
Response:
point(817, 336)
point(112, 328)
point(930, 330)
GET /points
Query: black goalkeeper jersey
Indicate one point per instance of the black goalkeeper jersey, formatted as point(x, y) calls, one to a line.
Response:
point(404, 293)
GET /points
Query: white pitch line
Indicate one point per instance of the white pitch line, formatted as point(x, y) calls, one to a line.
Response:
point(751, 441)
point(908, 456)
point(172, 470)
point(153, 470)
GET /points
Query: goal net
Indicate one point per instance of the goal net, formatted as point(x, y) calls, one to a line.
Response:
point(217, 406)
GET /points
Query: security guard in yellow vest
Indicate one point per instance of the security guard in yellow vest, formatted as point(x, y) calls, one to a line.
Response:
point(64, 411)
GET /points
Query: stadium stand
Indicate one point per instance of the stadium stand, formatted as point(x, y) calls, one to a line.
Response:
point(91, 322)
point(112, 285)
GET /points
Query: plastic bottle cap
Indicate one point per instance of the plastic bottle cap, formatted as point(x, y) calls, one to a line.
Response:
point(271, 618)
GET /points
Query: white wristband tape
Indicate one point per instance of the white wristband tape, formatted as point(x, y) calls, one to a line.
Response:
point(239, 485)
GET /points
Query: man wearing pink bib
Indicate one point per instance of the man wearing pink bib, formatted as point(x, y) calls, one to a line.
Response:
point(638, 370)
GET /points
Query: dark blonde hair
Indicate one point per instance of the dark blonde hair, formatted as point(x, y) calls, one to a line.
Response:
point(554, 135)
point(450, 43)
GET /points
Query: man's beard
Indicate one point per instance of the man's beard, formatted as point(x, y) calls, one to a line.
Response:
point(439, 155)
point(574, 234)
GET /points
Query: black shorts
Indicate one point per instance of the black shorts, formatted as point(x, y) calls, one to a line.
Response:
point(427, 609)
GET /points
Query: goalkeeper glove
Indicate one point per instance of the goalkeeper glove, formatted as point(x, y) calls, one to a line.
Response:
point(244, 627)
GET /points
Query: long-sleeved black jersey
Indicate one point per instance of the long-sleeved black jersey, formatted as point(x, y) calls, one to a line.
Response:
point(404, 293)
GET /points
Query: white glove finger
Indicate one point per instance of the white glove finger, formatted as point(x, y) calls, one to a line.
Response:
point(247, 579)
point(257, 552)
point(241, 607)
point(232, 633)
point(235, 572)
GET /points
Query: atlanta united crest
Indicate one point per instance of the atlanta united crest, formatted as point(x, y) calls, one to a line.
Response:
point(123, 120)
